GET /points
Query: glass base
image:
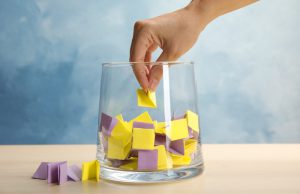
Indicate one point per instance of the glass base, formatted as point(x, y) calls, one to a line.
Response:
point(150, 177)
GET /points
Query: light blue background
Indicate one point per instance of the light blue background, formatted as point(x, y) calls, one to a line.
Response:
point(248, 68)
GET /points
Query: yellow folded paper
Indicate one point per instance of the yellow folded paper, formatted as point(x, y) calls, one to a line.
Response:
point(181, 160)
point(164, 161)
point(192, 119)
point(122, 132)
point(116, 150)
point(160, 127)
point(190, 146)
point(143, 139)
point(146, 99)
point(178, 130)
point(90, 170)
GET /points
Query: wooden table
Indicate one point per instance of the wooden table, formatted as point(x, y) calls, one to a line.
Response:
point(240, 168)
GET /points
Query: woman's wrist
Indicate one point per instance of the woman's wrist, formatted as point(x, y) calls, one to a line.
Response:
point(203, 10)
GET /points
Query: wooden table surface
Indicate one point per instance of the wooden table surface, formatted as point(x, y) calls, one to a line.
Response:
point(240, 168)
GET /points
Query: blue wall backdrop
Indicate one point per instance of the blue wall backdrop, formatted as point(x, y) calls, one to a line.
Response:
point(248, 68)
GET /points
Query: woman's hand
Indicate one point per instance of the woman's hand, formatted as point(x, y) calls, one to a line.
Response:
point(175, 33)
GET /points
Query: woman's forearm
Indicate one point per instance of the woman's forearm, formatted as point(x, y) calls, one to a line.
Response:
point(211, 9)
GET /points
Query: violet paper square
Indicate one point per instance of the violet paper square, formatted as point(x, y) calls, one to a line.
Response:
point(57, 172)
point(107, 124)
point(41, 172)
point(147, 159)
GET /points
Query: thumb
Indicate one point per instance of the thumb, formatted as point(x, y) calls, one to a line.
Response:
point(156, 71)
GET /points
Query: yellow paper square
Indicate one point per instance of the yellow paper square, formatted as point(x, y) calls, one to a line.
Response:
point(144, 117)
point(181, 160)
point(143, 139)
point(146, 99)
point(164, 161)
point(90, 170)
point(192, 119)
point(178, 130)
point(122, 132)
point(190, 146)
point(116, 150)
point(160, 127)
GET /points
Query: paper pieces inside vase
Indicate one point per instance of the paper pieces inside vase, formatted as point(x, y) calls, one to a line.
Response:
point(145, 144)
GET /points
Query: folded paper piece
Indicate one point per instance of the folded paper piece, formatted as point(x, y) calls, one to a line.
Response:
point(117, 150)
point(147, 159)
point(178, 130)
point(144, 117)
point(107, 124)
point(164, 161)
point(74, 173)
point(143, 139)
point(121, 133)
point(90, 170)
point(160, 127)
point(160, 139)
point(146, 99)
point(177, 147)
point(57, 172)
point(143, 125)
point(192, 120)
point(41, 172)
point(145, 144)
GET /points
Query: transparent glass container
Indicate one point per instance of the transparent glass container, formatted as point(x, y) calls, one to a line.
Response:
point(146, 137)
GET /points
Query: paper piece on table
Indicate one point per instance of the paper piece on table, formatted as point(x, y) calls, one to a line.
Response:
point(130, 165)
point(160, 127)
point(177, 147)
point(57, 172)
point(178, 130)
point(147, 159)
point(117, 150)
point(146, 99)
point(90, 170)
point(41, 172)
point(160, 139)
point(74, 173)
point(107, 124)
point(122, 132)
point(164, 161)
point(192, 120)
point(143, 139)
point(143, 125)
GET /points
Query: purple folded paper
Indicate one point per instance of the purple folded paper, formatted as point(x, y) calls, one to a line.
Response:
point(143, 125)
point(107, 124)
point(41, 172)
point(177, 147)
point(74, 173)
point(160, 139)
point(147, 160)
point(57, 172)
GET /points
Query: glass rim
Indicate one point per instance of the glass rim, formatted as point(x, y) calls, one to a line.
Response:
point(122, 63)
